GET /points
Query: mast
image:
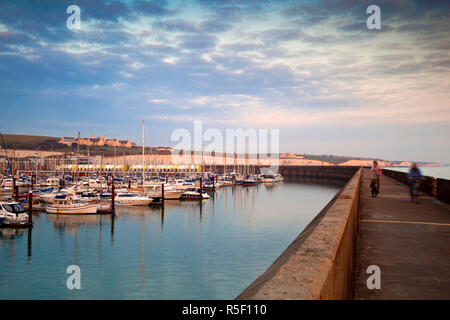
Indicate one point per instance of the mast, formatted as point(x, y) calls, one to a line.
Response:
point(203, 169)
point(89, 163)
point(143, 151)
point(78, 154)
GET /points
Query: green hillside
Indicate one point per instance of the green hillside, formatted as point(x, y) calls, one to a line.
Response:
point(44, 143)
point(21, 141)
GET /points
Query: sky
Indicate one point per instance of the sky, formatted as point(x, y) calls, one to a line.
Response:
point(311, 69)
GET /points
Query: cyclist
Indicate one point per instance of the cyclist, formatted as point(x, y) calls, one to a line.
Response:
point(375, 176)
point(414, 178)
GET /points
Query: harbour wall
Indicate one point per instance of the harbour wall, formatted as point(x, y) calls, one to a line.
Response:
point(439, 188)
point(292, 173)
point(320, 263)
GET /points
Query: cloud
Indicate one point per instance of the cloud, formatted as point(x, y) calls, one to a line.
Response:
point(159, 101)
point(233, 63)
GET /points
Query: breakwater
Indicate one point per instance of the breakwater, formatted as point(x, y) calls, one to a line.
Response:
point(320, 263)
point(434, 187)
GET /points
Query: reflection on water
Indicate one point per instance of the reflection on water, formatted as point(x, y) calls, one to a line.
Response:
point(210, 249)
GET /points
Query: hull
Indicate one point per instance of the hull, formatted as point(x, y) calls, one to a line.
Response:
point(84, 209)
point(47, 198)
point(15, 224)
point(126, 202)
point(249, 183)
point(194, 196)
point(168, 195)
point(173, 195)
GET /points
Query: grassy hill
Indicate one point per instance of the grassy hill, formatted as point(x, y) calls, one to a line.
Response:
point(44, 143)
point(21, 141)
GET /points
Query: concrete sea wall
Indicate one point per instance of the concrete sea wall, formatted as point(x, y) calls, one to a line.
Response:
point(320, 262)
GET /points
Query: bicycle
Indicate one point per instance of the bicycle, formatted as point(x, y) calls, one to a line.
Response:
point(415, 189)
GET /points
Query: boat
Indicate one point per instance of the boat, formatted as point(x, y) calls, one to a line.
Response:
point(249, 182)
point(12, 214)
point(211, 184)
point(7, 183)
point(170, 193)
point(193, 194)
point(49, 197)
point(269, 178)
point(52, 181)
point(131, 199)
point(209, 187)
point(68, 204)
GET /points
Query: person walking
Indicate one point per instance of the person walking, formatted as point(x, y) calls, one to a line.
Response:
point(375, 177)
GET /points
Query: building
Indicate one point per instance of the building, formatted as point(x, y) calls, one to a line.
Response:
point(125, 143)
point(288, 156)
point(164, 150)
point(97, 142)
point(67, 141)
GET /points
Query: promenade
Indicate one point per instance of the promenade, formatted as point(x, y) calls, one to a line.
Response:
point(410, 243)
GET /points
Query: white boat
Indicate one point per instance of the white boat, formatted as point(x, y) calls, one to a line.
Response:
point(269, 178)
point(71, 205)
point(225, 182)
point(193, 194)
point(249, 182)
point(170, 193)
point(183, 185)
point(53, 181)
point(7, 183)
point(278, 177)
point(51, 196)
point(12, 214)
point(131, 199)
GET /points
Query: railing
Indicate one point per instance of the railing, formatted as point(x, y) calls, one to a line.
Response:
point(439, 188)
point(443, 190)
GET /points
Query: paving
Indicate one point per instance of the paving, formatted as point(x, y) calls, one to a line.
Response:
point(410, 242)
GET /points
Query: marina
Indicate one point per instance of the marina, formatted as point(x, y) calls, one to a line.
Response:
point(207, 249)
point(223, 155)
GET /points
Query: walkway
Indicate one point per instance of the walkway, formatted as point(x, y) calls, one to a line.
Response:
point(409, 242)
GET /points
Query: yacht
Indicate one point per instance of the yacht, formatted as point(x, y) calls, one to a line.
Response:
point(7, 183)
point(249, 182)
point(131, 199)
point(53, 181)
point(49, 197)
point(170, 193)
point(12, 214)
point(68, 204)
point(269, 178)
point(193, 194)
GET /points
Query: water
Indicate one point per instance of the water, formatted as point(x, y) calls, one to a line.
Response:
point(437, 172)
point(188, 250)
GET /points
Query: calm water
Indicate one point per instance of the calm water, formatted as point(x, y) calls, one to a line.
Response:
point(189, 250)
point(437, 172)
